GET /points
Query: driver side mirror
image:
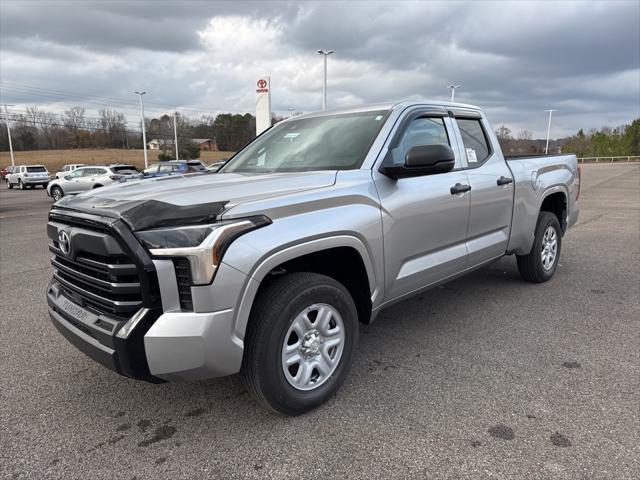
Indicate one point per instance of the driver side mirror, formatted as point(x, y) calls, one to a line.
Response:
point(67, 177)
point(421, 160)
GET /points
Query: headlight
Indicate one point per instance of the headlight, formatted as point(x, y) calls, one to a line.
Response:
point(202, 245)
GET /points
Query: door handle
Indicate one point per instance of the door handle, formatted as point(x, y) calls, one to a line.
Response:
point(504, 181)
point(459, 188)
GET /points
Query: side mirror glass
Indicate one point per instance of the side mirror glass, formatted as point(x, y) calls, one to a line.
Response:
point(421, 160)
point(67, 177)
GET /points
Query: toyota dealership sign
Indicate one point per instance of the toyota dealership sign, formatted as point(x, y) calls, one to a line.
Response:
point(263, 104)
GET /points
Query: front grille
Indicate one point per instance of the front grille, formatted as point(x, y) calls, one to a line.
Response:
point(183, 278)
point(108, 283)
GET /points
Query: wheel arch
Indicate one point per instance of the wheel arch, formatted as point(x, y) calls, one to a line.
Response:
point(555, 200)
point(342, 257)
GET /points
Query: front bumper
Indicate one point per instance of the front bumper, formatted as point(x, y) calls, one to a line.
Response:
point(175, 346)
point(187, 346)
point(95, 335)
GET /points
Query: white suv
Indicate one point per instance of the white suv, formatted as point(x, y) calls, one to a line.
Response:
point(67, 169)
point(86, 178)
point(27, 176)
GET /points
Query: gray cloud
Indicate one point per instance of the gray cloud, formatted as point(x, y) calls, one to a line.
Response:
point(515, 59)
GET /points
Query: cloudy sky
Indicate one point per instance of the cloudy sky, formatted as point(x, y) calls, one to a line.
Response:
point(515, 59)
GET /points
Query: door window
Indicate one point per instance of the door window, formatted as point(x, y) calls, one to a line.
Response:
point(474, 140)
point(76, 173)
point(421, 131)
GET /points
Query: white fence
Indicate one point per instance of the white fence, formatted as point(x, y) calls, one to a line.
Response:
point(628, 158)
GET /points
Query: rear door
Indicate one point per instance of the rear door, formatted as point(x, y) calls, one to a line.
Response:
point(424, 223)
point(491, 188)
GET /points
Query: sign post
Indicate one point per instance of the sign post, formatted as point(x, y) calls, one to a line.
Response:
point(263, 104)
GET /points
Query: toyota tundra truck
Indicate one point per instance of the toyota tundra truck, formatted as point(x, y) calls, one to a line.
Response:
point(268, 267)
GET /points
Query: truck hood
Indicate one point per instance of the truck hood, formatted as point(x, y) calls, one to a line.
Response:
point(189, 199)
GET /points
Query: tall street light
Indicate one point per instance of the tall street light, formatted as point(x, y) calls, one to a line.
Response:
point(6, 114)
point(453, 90)
point(175, 131)
point(291, 110)
point(546, 148)
point(144, 134)
point(325, 54)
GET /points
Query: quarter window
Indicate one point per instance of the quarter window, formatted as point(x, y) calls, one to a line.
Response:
point(421, 131)
point(474, 141)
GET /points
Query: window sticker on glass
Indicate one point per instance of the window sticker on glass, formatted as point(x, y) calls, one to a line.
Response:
point(291, 135)
point(471, 155)
point(379, 117)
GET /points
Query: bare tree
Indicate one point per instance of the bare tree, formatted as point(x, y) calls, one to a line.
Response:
point(503, 133)
point(74, 118)
point(112, 123)
point(49, 127)
point(524, 135)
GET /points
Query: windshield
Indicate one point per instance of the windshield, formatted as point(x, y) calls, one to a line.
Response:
point(36, 169)
point(334, 142)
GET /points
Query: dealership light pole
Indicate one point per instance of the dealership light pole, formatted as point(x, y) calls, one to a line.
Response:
point(325, 54)
point(291, 110)
point(6, 114)
point(175, 131)
point(144, 134)
point(546, 148)
point(453, 90)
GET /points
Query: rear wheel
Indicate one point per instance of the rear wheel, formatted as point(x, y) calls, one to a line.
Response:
point(20, 184)
point(541, 263)
point(56, 193)
point(300, 342)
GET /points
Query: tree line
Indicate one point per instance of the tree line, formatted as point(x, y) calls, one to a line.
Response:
point(38, 129)
point(606, 142)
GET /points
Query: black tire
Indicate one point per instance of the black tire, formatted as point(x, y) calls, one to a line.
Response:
point(20, 184)
point(531, 266)
point(55, 191)
point(273, 312)
point(44, 186)
point(9, 185)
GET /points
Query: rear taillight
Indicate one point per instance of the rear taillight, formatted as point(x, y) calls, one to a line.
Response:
point(26, 174)
point(579, 181)
point(115, 177)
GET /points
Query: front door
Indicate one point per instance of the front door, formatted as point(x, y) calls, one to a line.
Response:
point(424, 223)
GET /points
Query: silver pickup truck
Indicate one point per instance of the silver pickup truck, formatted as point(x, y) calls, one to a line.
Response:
point(267, 267)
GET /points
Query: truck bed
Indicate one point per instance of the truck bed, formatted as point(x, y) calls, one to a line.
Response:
point(536, 177)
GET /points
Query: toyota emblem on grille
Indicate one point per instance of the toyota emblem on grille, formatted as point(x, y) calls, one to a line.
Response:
point(64, 242)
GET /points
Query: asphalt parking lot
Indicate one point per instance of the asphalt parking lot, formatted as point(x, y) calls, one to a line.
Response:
point(486, 377)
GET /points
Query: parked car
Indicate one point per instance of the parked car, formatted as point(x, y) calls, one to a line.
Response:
point(172, 167)
point(87, 178)
point(268, 267)
point(217, 165)
point(67, 169)
point(197, 164)
point(6, 170)
point(24, 176)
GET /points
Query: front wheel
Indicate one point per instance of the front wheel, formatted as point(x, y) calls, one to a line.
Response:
point(56, 193)
point(542, 261)
point(9, 185)
point(300, 341)
point(21, 185)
